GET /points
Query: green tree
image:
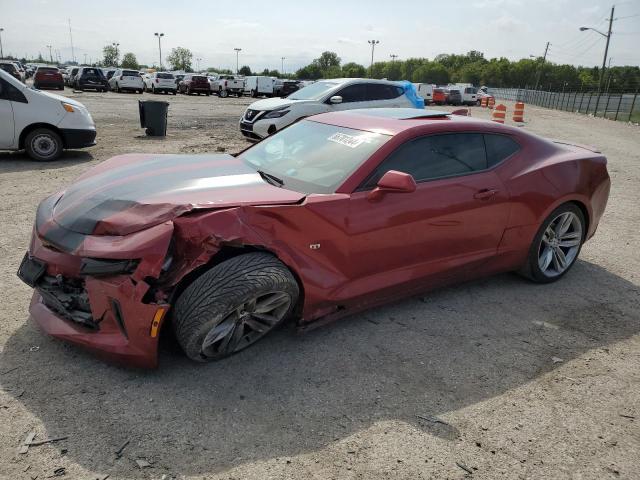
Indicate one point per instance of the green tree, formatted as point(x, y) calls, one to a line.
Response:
point(111, 56)
point(180, 58)
point(245, 70)
point(129, 61)
point(327, 60)
point(353, 70)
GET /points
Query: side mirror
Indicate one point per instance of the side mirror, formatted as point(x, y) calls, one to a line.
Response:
point(392, 182)
point(335, 99)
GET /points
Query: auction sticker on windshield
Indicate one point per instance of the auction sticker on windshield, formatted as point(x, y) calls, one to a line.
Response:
point(347, 140)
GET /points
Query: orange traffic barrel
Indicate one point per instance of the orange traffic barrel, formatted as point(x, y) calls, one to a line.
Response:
point(518, 112)
point(499, 113)
point(483, 102)
point(491, 102)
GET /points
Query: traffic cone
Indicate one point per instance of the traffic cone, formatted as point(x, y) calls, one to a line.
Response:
point(518, 112)
point(499, 113)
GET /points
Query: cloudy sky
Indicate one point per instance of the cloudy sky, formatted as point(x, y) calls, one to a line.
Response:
point(300, 30)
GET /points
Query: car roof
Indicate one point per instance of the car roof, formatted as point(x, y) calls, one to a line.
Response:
point(392, 121)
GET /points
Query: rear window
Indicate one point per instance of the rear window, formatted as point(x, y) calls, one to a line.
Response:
point(455, 92)
point(130, 73)
point(92, 71)
point(198, 78)
point(8, 67)
point(499, 147)
point(165, 75)
point(47, 70)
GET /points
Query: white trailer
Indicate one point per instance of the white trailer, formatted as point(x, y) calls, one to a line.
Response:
point(256, 86)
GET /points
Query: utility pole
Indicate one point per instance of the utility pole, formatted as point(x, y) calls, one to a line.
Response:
point(198, 63)
point(373, 44)
point(1, 52)
point(393, 57)
point(73, 55)
point(282, 68)
point(238, 50)
point(116, 45)
point(50, 54)
point(159, 35)
point(544, 59)
point(85, 58)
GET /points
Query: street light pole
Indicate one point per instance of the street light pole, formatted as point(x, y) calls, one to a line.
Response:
point(282, 68)
point(606, 52)
point(50, 54)
point(116, 45)
point(1, 51)
point(238, 50)
point(393, 57)
point(373, 44)
point(198, 63)
point(159, 35)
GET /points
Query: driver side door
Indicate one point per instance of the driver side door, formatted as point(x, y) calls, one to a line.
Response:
point(442, 232)
point(7, 123)
point(353, 96)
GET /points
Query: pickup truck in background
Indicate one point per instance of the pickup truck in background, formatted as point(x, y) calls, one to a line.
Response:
point(228, 84)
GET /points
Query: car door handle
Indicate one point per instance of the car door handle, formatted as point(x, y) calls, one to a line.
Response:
point(484, 194)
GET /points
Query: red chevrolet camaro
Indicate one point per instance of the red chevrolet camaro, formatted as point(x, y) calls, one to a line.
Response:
point(337, 213)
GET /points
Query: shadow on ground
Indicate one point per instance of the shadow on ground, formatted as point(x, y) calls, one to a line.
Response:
point(20, 161)
point(296, 393)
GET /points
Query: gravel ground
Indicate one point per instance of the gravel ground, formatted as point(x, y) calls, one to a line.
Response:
point(500, 377)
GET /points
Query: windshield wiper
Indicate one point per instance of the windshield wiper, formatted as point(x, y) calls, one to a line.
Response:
point(272, 179)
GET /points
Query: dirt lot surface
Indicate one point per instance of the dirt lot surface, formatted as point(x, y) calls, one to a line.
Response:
point(500, 377)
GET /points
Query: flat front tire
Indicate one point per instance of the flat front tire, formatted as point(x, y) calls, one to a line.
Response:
point(233, 305)
point(43, 145)
point(557, 244)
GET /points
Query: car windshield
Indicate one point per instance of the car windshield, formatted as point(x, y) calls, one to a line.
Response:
point(198, 78)
point(94, 72)
point(130, 73)
point(165, 75)
point(312, 157)
point(315, 91)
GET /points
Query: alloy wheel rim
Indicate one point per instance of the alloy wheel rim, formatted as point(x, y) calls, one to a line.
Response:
point(43, 145)
point(560, 244)
point(245, 324)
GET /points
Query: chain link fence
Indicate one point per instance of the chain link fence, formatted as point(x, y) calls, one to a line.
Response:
point(623, 106)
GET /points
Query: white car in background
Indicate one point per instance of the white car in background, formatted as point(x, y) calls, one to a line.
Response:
point(160, 82)
point(265, 117)
point(41, 123)
point(124, 79)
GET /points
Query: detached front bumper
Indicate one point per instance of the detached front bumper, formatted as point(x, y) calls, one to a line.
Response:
point(112, 315)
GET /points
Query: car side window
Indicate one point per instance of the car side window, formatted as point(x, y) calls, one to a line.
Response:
point(11, 93)
point(435, 156)
point(378, 91)
point(499, 147)
point(353, 93)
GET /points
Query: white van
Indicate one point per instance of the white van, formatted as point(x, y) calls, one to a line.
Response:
point(425, 90)
point(257, 86)
point(41, 123)
point(469, 96)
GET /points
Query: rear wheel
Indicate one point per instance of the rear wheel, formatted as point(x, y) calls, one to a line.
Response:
point(43, 145)
point(557, 244)
point(223, 93)
point(234, 305)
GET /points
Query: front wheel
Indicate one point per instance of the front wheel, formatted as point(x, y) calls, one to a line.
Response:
point(223, 94)
point(557, 245)
point(233, 305)
point(43, 145)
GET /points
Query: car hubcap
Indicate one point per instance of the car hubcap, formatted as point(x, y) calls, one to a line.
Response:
point(246, 324)
point(560, 244)
point(43, 145)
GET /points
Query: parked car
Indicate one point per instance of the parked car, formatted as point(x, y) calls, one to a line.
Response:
point(69, 78)
point(90, 78)
point(123, 80)
point(197, 84)
point(439, 96)
point(278, 85)
point(11, 69)
point(289, 86)
point(41, 123)
point(454, 97)
point(268, 116)
point(480, 95)
point(425, 90)
point(228, 84)
point(469, 96)
point(258, 86)
point(160, 82)
point(48, 77)
point(414, 202)
point(179, 78)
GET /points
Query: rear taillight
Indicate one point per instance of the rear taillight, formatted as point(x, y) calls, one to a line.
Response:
point(157, 81)
point(226, 83)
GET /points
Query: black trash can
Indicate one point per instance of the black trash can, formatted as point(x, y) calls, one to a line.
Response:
point(153, 117)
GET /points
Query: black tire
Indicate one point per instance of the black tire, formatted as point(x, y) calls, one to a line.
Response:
point(223, 93)
point(254, 94)
point(217, 302)
point(531, 269)
point(51, 143)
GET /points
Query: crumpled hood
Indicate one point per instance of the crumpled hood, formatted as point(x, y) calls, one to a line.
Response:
point(276, 103)
point(129, 193)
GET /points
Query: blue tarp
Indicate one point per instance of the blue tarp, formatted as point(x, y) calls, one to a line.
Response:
point(412, 94)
